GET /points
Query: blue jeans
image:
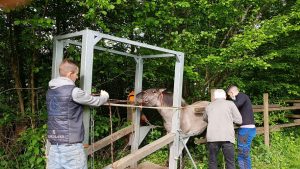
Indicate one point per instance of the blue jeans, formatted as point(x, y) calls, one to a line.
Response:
point(67, 157)
point(245, 137)
point(228, 152)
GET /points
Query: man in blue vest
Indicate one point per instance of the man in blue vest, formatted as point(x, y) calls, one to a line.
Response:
point(65, 118)
point(247, 130)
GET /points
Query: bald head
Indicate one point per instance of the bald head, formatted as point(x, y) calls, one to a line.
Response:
point(232, 91)
point(67, 67)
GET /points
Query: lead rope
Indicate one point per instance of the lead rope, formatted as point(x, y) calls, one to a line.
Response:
point(111, 139)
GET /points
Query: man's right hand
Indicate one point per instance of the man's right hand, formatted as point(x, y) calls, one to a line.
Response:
point(103, 93)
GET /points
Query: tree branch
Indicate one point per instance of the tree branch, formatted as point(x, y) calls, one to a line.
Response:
point(232, 28)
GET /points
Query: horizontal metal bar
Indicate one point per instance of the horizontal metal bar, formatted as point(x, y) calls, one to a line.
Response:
point(69, 35)
point(157, 56)
point(115, 51)
point(144, 45)
point(102, 49)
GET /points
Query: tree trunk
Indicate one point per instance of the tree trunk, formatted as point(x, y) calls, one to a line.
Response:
point(32, 90)
point(15, 64)
point(20, 126)
point(18, 84)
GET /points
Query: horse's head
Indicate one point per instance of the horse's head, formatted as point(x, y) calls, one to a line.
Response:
point(150, 97)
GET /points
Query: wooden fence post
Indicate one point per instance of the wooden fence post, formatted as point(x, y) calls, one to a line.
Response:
point(266, 119)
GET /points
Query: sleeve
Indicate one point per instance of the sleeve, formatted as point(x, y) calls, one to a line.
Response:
point(240, 101)
point(81, 97)
point(236, 115)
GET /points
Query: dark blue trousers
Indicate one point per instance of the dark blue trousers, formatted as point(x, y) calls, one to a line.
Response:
point(228, 152)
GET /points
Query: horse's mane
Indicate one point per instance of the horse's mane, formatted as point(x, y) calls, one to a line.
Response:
point(168, 99)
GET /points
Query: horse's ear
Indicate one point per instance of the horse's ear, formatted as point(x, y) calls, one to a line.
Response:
point(162, 90)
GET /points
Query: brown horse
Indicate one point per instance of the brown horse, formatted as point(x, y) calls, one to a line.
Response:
point(191, 121)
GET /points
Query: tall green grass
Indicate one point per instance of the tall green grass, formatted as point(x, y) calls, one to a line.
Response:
point(284, 151)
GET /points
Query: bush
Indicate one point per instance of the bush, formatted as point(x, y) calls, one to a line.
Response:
point(28, 151)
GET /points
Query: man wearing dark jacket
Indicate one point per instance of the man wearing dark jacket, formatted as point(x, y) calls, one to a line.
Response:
point(65, 118)
point(247, 130)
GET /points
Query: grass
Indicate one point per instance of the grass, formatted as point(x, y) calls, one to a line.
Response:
point(284, 151)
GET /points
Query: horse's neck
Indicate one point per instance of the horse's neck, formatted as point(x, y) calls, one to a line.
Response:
point(166, 114)
point(167, 101)
point(163, 102)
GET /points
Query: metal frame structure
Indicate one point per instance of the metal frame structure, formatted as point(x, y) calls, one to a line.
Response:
point(88, 43)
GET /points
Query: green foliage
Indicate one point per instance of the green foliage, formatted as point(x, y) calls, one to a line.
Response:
point(283, 152)
point(154, 135)
point(160, 157)
point(33, 155)
point(36, 22)
point(275, 117)
point(97, 10)
point(27, 152)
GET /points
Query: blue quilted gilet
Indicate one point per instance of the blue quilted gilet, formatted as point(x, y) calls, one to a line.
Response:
point(65, 117)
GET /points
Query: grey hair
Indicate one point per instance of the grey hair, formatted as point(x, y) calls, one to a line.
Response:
point(219, 94)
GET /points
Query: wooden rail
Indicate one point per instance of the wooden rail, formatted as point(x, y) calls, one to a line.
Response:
point(292, 101)
point(107, 140)
point(278, 109)
point(293, 116)
point(260, 130)
point(143, 152)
